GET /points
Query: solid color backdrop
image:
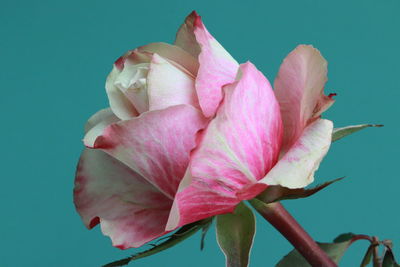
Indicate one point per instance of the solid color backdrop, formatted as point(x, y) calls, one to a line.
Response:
point(55, 56)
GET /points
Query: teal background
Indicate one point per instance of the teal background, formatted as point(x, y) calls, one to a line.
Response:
point(55, 56)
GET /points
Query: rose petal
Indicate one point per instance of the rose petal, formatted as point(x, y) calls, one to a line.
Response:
point(217, 67)
point(168, 86)
point(119, 103)
point(96, 125)
point(99, 117)
point(156, 144)
point(131, 81)
point(296, 168)
point(185, 37)
point(175, 54)
point(134, 57)
point(237, 149)
point(130, 210)
point(299, 89)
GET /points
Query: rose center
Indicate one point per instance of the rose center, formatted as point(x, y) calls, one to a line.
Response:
point(132, 82)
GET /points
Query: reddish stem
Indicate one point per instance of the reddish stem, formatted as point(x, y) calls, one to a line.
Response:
point(278, 216)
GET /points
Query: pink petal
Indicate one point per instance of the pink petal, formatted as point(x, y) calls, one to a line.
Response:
point(174, 54)
point(299, 89)
point(130, 210)
point(156, 144)
point(167, 85)
point(217, 67)
point(296, 168)
point(237, 149)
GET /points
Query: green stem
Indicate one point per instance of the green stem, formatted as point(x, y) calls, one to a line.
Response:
point(278, 216)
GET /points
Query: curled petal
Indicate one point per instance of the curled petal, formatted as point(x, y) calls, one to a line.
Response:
point(236, 150)
point(174, 54)
point(96, 125)
point(130, 210)
point(156, 144)
point(299, 89)
point(185, 37)
point(120, 103)
point(99, 117)
point(217, 67)
point(296, 168)
point(167, 85)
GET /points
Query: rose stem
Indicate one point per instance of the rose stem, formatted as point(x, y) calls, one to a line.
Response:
point(280, 218)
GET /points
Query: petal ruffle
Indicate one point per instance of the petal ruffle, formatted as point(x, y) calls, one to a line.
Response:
point(168, 85)
point(217, 67)
point(156, 144)
point(237, 149)
point(130, 210)
point(296, 168)
point(299, 89)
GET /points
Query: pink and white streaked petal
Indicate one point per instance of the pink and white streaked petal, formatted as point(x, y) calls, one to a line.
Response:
point(96, 125)
point(168, 86)
point(130, 210)
point(217, 67)
point(296, 168)
point(175, 55)
point(236, 150)
point(299, 89)
point(156, 144)
point(185, 37)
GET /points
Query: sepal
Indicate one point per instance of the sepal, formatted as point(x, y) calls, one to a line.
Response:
point(339, 133)
point(276, 193)
point(235, 235)
point(177, 237)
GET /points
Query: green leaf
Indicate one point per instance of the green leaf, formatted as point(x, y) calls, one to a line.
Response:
point(235, 234)
point(334, 250)
point(343, 237)
point(275, 193)
point(388, 259)
point(339, 133)
point(180, 235)
point(367, 257)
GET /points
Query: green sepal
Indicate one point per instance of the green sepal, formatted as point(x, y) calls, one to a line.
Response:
point(339, 133)
point(368, 256)
point(204, 231)
point(388, 259)
point(170, 241)
point(235, 235)
point(275, 193)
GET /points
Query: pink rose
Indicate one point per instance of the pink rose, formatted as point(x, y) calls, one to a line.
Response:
point(190, 134)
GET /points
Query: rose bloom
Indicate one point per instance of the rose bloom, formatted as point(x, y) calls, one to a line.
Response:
point(190, 133)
